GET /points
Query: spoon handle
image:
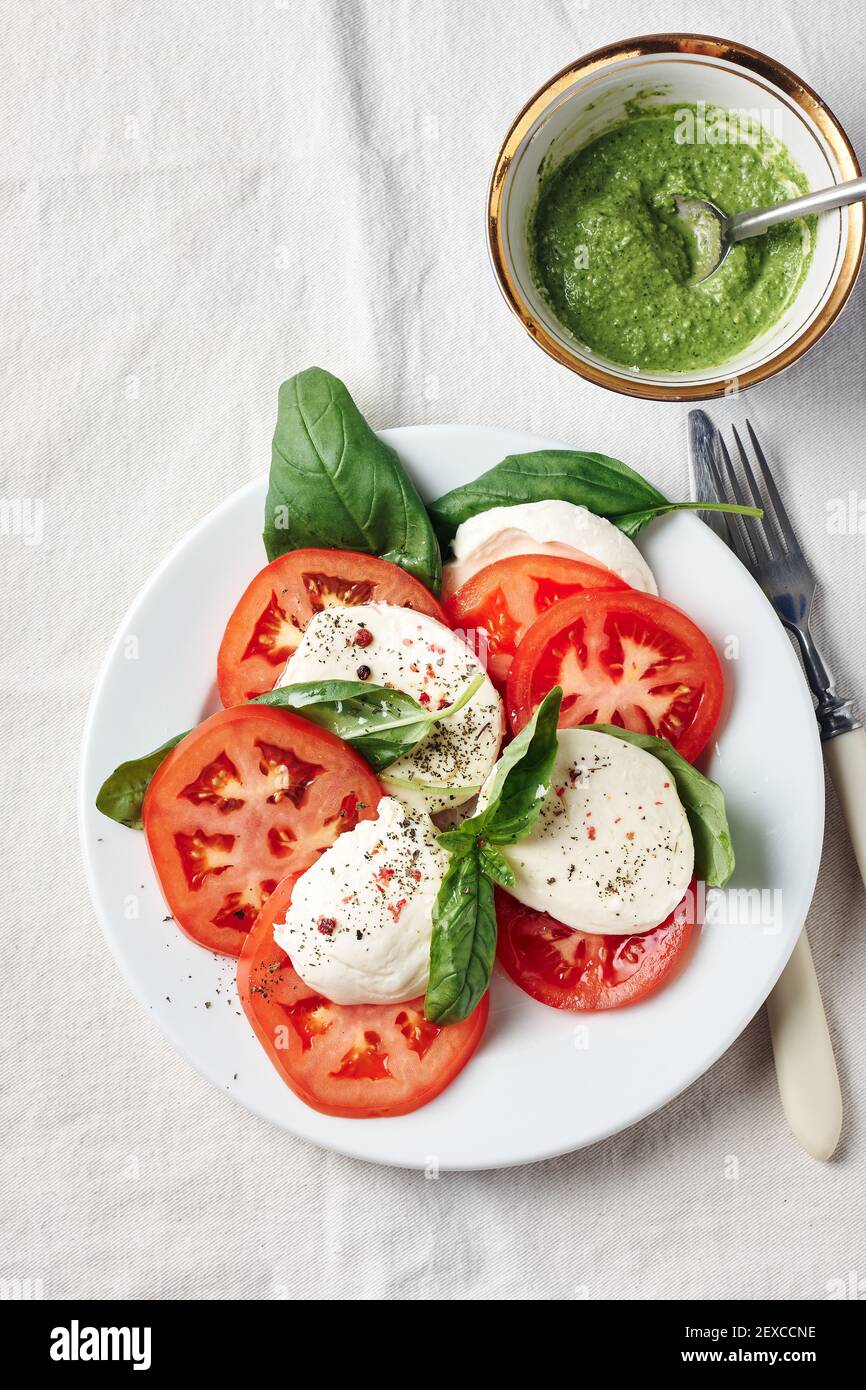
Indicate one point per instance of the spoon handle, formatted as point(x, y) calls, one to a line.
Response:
point(756, 221)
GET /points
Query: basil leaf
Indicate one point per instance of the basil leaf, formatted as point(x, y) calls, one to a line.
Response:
point(495, 865)
point(382, 724)
point(335, 483)
point(634, 522)
point(521, 779)
point(601, 484)
point(456, 843)
point(704, 803)
point(463, 945)
point(122, 794)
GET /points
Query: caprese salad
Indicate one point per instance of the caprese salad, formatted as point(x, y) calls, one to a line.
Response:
point(449, 733)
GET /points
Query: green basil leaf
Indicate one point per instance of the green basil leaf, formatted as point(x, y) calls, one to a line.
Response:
point(382, 724)
point(603, 485)
point(521, 779)
point(463, 944)
point(633, 522)
point(456, 843)
point(704, 804)
point(122, 794)
point(335, 483)
point(495, 865)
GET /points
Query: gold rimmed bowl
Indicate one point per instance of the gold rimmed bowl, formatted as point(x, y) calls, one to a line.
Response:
point(689, 70)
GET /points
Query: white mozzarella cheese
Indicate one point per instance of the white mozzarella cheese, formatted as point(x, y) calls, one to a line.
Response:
point(409, 651)
point(549, 528)
point(611, 852)
point(359, 924)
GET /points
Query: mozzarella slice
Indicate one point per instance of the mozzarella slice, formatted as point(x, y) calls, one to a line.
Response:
point(547, 528)
point(611, 852)
point(358, 927)
point(408, 651)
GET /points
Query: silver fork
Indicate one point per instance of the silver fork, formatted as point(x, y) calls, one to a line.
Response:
point(805, 1065)
point(770, 550)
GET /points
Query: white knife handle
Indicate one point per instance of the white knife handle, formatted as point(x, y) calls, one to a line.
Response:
point(805, 1065)
point(845, 756)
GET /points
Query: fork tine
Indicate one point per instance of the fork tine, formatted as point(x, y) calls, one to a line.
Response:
point(731, 476)
point(768, 535)
point(739, 538)
point(747, 469)
point(781, 516)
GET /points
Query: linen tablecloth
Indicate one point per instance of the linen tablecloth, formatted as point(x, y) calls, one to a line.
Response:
point(197, 201)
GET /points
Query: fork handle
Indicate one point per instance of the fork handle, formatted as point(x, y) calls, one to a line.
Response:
point(803, 1053)
point(846, 759)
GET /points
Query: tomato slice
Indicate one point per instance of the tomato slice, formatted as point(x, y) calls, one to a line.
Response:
point(623, 658)
point(356, 1060)
point(266, 626)
point(570, 969)
point(500, 602)
point(250, 795)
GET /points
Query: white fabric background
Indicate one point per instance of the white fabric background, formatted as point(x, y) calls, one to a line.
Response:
point(197, 201)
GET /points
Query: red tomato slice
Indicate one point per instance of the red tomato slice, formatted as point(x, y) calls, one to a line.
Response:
point(623, 658)
point(570, 969)
point(250, 795)
point(501, 601)
point(358, 1060)
point(267, 623)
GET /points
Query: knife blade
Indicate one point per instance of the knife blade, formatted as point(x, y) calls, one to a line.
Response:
point(703, 470)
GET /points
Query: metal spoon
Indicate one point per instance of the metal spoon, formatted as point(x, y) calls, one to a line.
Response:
point(715, 233)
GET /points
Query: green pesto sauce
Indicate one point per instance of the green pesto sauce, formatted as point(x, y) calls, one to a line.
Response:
point(614, 262)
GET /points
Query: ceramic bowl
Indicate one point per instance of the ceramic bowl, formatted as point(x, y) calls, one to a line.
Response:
point(591, 94)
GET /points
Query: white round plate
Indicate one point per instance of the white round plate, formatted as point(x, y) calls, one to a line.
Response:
point(543, 1082)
